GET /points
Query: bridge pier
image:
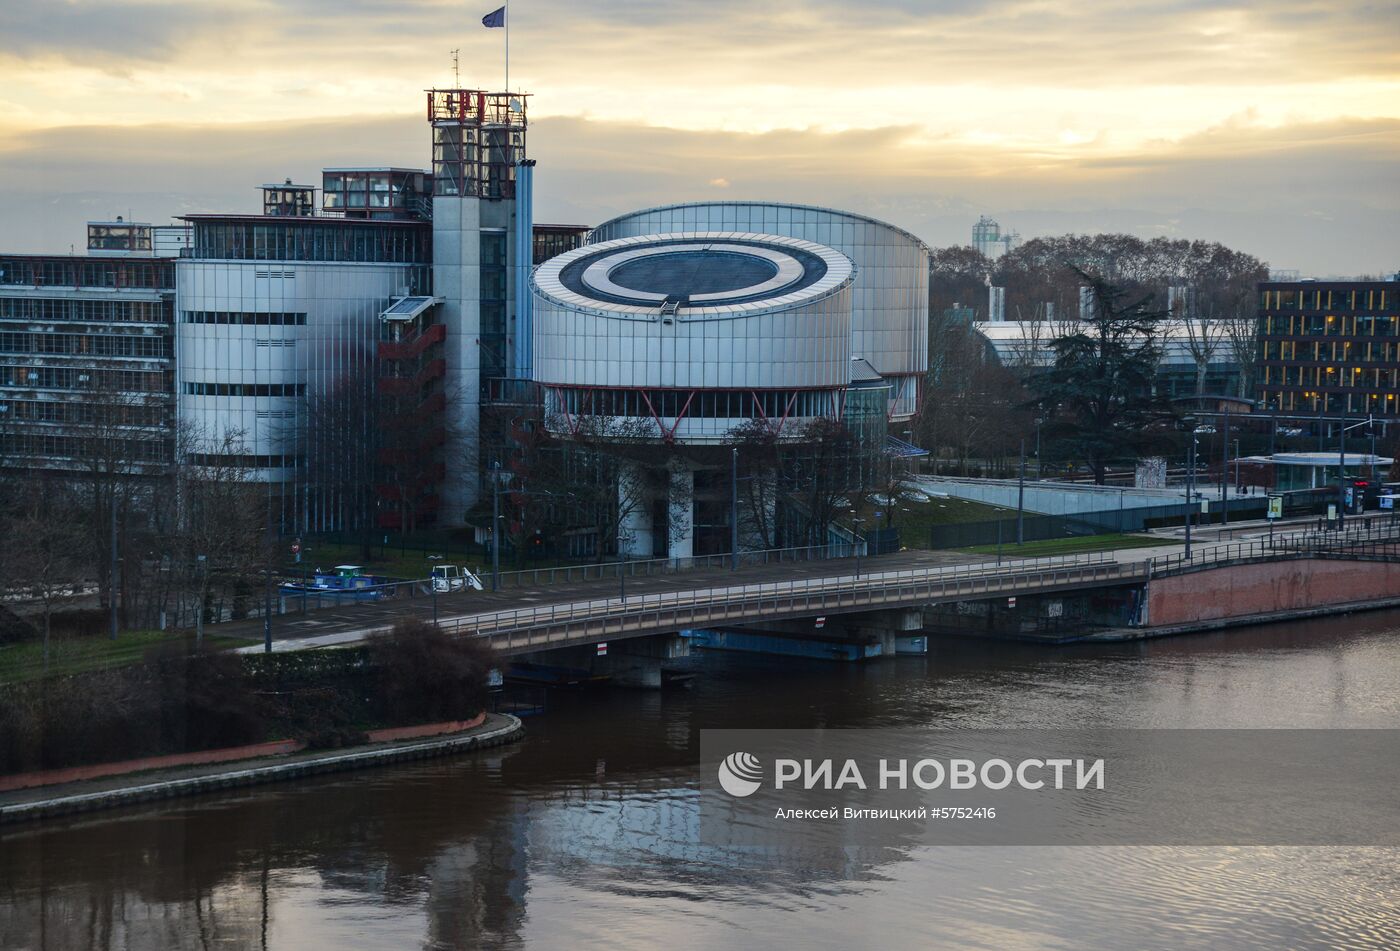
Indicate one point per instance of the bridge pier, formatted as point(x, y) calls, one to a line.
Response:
point(845, 637)
point(634, 662)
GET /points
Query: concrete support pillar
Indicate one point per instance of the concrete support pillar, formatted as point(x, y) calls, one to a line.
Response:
point(680, 512)
point(635, 528)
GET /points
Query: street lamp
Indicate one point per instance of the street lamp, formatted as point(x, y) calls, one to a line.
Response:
point(854, 542)
point(495, 526)
point(1038, 421)
point(734, 508)
point(1188, 423)
point(1225, 469)
point(1021, 499)
point(1343, 429)
point(203, 563)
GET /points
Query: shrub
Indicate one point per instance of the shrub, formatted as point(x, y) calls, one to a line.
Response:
point(422, 675)
point(14, 628)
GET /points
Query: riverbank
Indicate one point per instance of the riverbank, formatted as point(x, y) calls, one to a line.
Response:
point(87, 795)
point(1119, 634)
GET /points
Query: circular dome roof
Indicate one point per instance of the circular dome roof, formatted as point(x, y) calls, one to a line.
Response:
point(700, 273)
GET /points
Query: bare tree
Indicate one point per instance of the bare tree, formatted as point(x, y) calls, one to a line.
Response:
point(44, 559)
point(219, 545)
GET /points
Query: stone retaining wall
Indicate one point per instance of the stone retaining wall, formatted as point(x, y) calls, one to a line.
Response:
point(1268, 588)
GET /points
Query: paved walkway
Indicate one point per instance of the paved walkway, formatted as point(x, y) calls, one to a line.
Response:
point(84, 796)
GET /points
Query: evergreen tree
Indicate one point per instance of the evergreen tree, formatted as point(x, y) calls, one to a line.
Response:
point(1098, 399)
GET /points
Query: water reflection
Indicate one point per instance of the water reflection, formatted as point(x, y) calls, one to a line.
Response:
point(587, 833)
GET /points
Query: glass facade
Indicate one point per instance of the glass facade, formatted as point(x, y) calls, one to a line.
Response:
point(75, 272)
point(80, 361)
point(282, 358)
point(1330, 347)
point(889, 324)
point(494, 332)
point(380, 193)
point(312, 239)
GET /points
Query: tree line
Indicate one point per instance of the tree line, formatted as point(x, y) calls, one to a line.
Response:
point(1087, 388)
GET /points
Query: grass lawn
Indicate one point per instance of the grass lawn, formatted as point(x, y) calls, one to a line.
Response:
point(1072, 546)
point(71, 655)
point(914, 519)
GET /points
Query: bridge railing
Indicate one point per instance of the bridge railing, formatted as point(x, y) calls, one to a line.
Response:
point(873, 589)
point(1373, 537)
point(679, 609)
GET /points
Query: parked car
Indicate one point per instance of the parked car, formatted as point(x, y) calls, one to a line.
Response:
point(452, 578)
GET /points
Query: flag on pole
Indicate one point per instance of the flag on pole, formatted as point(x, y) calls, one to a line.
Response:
point(495, 18)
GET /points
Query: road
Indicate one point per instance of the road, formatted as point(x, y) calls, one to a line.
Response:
point(712, 595)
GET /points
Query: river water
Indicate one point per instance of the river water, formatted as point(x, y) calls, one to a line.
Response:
point(584, 834)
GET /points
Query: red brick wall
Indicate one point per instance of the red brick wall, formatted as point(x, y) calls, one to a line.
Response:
point(1241, 590)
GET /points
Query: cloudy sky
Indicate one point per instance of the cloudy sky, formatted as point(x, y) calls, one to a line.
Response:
point(1272, 126)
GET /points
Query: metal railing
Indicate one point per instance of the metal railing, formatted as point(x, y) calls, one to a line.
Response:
point(552, 625)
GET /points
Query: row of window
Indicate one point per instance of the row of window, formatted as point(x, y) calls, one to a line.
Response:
point(1373, 377)
point(307, 239)
point(85, 412)
point(1337, 351)
point(245, 389)
point(1316, 298)
point(230, 460)
point(94, 311)
point(1330, 325)
point(103, 345)
point(1313, 401)
point(243, 318)
point(693, 404)
point(53, 445)
point(37, 271)
point(85, 379)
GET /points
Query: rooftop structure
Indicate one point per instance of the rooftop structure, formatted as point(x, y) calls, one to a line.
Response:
point(379, 193)
point(289, 201)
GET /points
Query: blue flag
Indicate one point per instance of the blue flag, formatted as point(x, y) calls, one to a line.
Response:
point(495, 18)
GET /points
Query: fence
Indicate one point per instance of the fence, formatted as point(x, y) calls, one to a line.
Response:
point(1045, 527)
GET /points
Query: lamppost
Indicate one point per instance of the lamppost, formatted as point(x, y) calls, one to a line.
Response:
point(1343, 429)
point(1189, 424)
point(203, 563)
point(734, 508)
point(495, 526)
point(855, 541)
point(1021, 499)
point(1038, 421)
point(1225, 469)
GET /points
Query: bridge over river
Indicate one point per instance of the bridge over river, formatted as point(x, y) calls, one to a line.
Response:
point(543, 619)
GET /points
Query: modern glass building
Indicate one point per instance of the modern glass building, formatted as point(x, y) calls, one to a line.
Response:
point(889, 292)
point(1330, 347)
point(685, 338)
point(86, 369)
point(278, 320)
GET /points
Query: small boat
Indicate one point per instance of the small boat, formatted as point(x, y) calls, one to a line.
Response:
point(342, 582)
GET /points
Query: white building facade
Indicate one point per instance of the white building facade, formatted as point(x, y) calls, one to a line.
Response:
point(889, 293)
